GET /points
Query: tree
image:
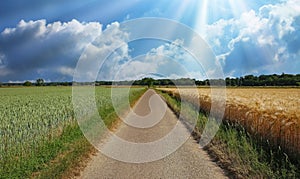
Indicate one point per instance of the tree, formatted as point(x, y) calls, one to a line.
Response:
point(234, 82)
point(148, 82)
point(228, 81)
point(27, 83)
point(39, 82)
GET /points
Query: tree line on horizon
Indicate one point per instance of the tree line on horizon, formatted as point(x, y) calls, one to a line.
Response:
point(248, 80)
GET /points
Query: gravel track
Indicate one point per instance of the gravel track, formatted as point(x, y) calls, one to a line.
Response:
point(188, 161)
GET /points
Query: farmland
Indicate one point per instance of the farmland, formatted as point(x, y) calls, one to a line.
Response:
point(37, 125)
point(272, 113)
point(35, 122)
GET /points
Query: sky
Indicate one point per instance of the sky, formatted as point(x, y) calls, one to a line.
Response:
point(46, 39)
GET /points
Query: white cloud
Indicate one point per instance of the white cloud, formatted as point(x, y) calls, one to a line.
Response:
point(36, 46)
point(105, 54)
point(282, 15)
point(169, 60)
point(253, 41)
point(21, 81)
point(66, 71)
point(268, 36)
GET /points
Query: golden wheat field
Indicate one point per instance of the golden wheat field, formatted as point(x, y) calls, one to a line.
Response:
point(272, 114)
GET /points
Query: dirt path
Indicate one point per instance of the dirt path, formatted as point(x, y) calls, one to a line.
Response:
point(189, 161)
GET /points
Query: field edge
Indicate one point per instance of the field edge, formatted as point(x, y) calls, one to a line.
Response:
point(235, 151)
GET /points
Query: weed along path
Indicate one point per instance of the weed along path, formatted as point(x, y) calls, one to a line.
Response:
point(143, 152)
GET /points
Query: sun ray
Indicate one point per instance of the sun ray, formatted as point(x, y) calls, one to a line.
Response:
point(201, 17)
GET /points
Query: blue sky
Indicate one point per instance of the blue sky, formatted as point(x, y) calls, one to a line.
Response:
point(45, 39)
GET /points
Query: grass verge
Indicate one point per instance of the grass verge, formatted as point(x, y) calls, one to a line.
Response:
point(241, 155)
point(72, 149)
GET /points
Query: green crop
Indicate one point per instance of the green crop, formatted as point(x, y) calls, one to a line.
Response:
point(32, 117)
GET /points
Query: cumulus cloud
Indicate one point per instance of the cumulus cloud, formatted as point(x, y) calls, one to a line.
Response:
point(169, 60)
point(103, 57)
point(263, 41)
point(66, 71)
point(35, 48)
point(258, 40)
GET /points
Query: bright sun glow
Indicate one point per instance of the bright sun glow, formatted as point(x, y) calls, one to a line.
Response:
point(205, 10)
point(201, 19)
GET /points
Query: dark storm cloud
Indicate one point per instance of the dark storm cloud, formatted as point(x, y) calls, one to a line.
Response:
point(34, 48)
